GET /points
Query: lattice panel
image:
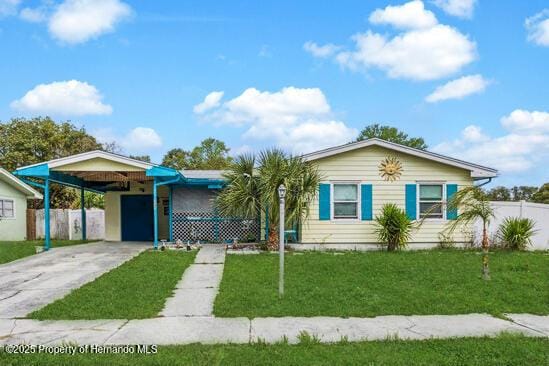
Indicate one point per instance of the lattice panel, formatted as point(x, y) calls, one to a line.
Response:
point(207, 227)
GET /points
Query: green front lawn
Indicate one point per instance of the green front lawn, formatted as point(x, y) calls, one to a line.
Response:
point(381, 283)
point(12, 250)
point(137, 289)
point(504, 350)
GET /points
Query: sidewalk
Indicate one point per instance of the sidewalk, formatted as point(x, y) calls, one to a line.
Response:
point(195, 294)
point(185, 330)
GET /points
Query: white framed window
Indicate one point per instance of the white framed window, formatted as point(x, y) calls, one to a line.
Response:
point(7, 208)
point(345, 198)
point(431, 200)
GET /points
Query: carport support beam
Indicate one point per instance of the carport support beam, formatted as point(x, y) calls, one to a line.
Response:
point(155, 213)
point(83, 213)
point(47, 214)
point(170, 212)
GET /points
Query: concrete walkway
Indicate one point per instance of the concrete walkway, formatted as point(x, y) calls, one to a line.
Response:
point(186, 330)
point(33, 282)
point(196, 291)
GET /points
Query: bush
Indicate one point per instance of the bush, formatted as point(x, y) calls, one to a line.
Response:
point(393, 227)
point(516, 233)
point(446, 241)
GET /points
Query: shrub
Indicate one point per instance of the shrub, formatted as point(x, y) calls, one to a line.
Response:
point(393, 227)
point(516, 233)
point(446, 241)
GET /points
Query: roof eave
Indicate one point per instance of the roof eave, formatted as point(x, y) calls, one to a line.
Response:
point(91, 155)
point(30, 192)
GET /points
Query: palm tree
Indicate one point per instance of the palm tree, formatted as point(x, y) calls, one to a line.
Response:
point(241, 197)
point(472, 205)
point(253, 188)
point(393, 227)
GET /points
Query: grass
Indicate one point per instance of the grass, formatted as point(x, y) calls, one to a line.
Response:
point(12, 250)
point(137, 289)
point(380, 283)
point(503, 350)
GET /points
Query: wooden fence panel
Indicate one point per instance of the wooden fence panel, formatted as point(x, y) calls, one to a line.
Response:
point(31, 224)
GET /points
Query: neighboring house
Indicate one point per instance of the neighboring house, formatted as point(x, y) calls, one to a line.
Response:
point(148, 202)
point(358, 178)
point(13, 206)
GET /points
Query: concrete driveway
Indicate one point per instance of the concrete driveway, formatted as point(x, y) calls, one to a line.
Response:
point(33, 282)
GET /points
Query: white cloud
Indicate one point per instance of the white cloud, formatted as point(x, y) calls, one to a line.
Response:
point(526, 121)
point(296, 119)
point(458, 8)
point(9, 7)
point(411, 15)
point(525, 146)
point(423, 54)
point(77, 21)
point(70, 98)
point(538, 28)
point(315, 135)
point(33, 15)
point(324, 51)
point(211, 101)
point(137, 140)
point(473, 133)
point(142, 138)
point(242, 149)
point(459, 88)
point(426, 50)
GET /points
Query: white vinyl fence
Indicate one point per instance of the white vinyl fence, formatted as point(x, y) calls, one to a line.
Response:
point(538, 212)
point(67, 224)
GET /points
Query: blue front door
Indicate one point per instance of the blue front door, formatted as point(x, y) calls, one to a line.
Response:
point(137, 217)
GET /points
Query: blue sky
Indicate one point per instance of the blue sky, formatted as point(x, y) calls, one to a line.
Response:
point(298, 74)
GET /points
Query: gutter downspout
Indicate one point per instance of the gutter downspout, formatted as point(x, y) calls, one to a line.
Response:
point(485, 183)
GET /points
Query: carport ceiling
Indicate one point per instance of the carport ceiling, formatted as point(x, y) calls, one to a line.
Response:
point(102, 176)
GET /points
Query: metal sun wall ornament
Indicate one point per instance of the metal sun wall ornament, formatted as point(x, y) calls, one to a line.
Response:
point(390, 169)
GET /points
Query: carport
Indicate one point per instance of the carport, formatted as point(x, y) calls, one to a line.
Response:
point(132, 190)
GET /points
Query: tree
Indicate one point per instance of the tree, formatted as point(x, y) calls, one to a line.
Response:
point(210, 154)
point(177, 159)
point(542, 194)
point(473, 204)
point(391, 134)
point(499, 193)
point(253, 188)
point(29, 141)
point(91, 200)
point(145, 158)
point(517, 193)
point(523, 192)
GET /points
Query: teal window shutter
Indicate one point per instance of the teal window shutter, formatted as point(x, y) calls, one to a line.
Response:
point(410, 200)
point(324, 202)
point(366, 201)
point(451, 189)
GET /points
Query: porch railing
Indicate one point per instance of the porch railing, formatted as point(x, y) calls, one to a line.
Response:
point(206, 226)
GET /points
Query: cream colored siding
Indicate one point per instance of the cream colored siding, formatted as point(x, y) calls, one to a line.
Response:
point(98, 165)
point(361, 166)
point(14, 228)
point(113, 230)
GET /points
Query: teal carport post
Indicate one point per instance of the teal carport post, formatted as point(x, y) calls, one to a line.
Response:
point(162, 176)
point(155, 212)
point(47, 242)
point(267, 223)
point(170, 212)
point(83, 213)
